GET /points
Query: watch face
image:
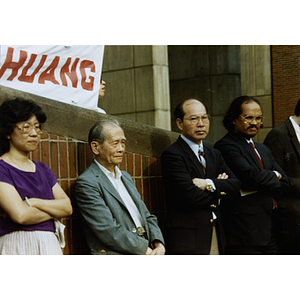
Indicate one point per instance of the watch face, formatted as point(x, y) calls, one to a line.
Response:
point(209, 187)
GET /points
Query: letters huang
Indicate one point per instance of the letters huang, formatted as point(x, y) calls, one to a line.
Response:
point(49, 73)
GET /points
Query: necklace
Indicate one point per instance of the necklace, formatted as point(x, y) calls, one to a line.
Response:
point(29, 163)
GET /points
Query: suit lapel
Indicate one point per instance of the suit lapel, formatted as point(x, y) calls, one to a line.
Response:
point(131, 189)
point(108, 186)
point(105, 182)
point(210, 164)
point(191, 155)
point(134, 195)
point(246, 148)
point(265, 159)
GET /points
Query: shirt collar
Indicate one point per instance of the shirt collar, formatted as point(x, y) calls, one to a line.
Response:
point(108, 173)
point(194, 146)
point(249, 141)
point(296, 127)
point(293, 122)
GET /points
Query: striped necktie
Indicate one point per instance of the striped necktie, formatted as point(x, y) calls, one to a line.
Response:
point(202, 159)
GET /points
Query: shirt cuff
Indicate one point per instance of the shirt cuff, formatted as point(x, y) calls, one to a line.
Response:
point(210, 182)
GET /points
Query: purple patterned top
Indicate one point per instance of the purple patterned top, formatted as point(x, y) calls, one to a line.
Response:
point(36, 184)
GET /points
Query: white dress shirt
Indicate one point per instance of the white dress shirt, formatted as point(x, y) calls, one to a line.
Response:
point(195, 148)
point(251, 141)
point(296, 127)
point(120, 187)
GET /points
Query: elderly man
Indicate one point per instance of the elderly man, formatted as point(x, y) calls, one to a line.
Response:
point(249, 217)
point(116, 220)
point(195, 177)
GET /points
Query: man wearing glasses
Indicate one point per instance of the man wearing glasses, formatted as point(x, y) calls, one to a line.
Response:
point(249, 218)
point(195, 178)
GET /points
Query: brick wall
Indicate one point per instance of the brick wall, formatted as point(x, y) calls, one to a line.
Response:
point(285, 81)
point(68, 158)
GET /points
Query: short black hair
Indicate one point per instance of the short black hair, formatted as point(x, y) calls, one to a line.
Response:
point(179, 112)
point(13, 111)
point(97, 132)
point(235, 109)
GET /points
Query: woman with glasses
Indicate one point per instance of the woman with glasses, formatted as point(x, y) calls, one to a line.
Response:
point(30, 196)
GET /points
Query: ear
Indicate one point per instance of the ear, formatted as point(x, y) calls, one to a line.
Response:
point(95, 147)
point(179, 123)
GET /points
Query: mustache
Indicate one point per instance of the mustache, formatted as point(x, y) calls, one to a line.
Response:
point(253, 126)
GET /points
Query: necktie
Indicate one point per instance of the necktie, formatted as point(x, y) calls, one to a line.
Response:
point(259, 159)
point(202, 159)
point(262, 166)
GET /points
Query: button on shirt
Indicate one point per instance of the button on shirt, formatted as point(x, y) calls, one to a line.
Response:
point(119, 186)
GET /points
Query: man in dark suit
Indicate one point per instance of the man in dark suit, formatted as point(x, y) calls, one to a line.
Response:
point(283, 141)
point(116, 220)
point(248, 218)
point(195, 178)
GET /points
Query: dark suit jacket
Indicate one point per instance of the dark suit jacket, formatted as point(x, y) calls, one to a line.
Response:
point(108, 225)
point(248, 219)
point(189, 215)
point(284, 145)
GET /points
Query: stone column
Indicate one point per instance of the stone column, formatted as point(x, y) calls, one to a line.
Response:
point(256, 81)
point(137, 84)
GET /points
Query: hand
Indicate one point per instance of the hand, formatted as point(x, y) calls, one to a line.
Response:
point(159, 249)
point(32, 201)
point(200, 183)
point(222, 176)
point(148, 252)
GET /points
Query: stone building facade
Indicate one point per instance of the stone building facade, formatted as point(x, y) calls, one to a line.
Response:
point(144, 84)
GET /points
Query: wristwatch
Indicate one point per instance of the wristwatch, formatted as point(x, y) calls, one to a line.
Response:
point(209, 186)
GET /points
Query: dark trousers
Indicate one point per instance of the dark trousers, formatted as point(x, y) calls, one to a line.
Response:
point(271, 248)
point(288, 231)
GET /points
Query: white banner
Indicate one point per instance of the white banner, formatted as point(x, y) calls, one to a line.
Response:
point(69, 74)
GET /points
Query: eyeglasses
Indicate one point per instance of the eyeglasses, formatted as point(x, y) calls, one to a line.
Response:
point(250, 119)
point(195, 119)
point(27, 128)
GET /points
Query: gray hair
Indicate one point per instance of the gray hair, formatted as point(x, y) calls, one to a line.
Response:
point(97, 132)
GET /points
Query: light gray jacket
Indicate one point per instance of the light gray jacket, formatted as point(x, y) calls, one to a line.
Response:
point(108, 225)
